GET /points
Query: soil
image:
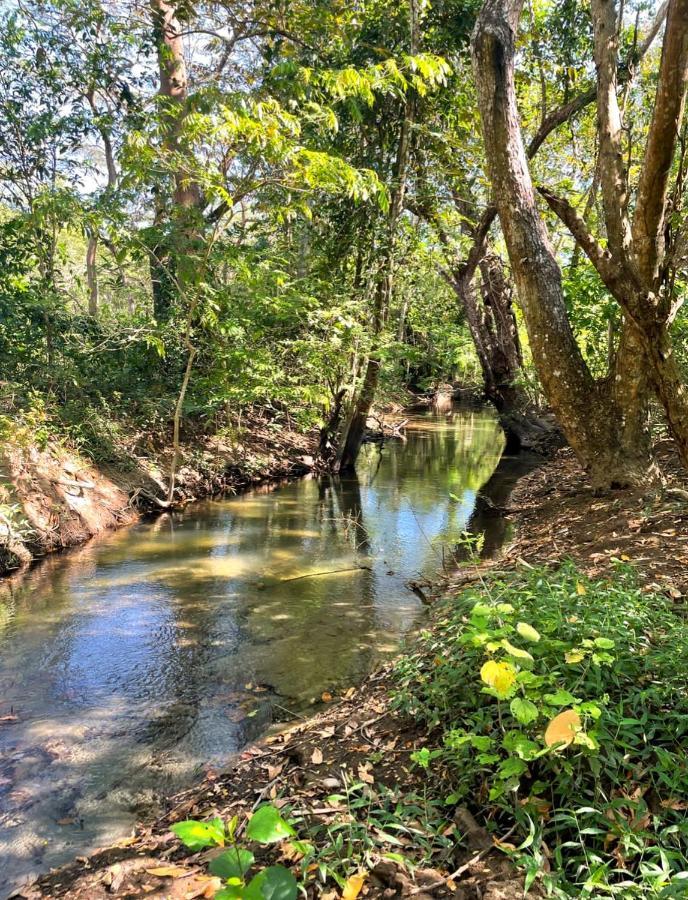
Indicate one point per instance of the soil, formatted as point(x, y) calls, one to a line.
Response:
point(61, 499)
point(556, 516)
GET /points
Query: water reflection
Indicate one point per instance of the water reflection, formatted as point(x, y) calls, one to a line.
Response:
point(132, 663)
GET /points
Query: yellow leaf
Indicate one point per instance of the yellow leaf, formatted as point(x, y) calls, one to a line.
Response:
point(563, 728)
point(500, 676)
point(527, 632)
point(516, 651)
point(574, 656)
point(353, 886)
point(168, 871)
point(580, 589)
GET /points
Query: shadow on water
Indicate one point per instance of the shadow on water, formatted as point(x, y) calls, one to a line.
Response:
point(130, 666)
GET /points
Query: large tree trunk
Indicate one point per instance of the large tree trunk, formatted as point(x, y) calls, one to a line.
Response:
point(492, 324)
point(175, 228)
point(634, 268)
point(591, 419)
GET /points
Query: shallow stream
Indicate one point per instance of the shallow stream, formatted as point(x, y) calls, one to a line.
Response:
point(131, 665)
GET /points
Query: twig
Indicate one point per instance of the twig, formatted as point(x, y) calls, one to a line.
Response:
point(331, 572)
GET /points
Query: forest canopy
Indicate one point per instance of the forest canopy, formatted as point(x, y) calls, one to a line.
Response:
point(312, 206)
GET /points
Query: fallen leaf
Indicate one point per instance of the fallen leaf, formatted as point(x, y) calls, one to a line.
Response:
point(327, 732)
point(316, 756)
point(563, 728)
point(353, 886)
point(326, 696)
point(364, 774)
point(168, 871)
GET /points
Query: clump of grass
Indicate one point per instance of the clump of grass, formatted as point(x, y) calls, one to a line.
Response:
point(557, 707)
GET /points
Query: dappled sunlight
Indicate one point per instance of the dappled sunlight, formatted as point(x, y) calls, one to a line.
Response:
point(170, 645)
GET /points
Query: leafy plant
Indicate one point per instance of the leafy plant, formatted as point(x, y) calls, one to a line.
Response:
point(266, 826)
point(557, 710)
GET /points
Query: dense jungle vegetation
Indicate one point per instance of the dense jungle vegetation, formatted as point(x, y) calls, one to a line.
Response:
point(213, 208)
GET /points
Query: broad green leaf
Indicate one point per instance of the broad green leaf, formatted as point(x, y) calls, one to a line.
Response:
point(523, 710)
point(267, 826)
point(273, 883)
point(233, 863)
point(605, 643)
point(559, 698)
point(197, 835)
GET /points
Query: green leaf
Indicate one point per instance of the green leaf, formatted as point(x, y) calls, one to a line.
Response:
point(231, 892)
point(233, 863)
point(197, 835)
point(605, 643)
point(512, 768)
point(527, 632)
point(267, 826)
point(560, 698)
point(273, 883)
point(523, 710)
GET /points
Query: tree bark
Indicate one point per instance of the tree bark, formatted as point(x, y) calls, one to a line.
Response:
point(636, 256)
point(92, 274)
point(591, 420)
point(355, 430)
point(175, 229)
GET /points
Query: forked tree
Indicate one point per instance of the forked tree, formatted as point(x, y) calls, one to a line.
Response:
point(605, 420)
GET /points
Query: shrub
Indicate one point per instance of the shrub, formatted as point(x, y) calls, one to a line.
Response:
point(558, 707)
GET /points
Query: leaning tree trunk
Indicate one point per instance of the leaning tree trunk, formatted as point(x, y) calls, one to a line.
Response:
point(363, 403)
point(493, 328)
point(586, 409)
point(524, 428)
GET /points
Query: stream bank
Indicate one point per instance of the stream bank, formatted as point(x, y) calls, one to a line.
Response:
point(56, 498)
point(359, 737)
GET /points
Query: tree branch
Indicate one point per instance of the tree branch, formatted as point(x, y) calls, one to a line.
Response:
point(651, 204)
point(613, 176)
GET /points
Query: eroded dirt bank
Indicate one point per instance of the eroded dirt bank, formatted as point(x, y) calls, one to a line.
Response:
point(55, 498)
point(358, 737)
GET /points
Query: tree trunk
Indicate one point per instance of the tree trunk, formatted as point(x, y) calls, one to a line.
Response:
point(175, 229)
point(92, 275)
point(586, 410)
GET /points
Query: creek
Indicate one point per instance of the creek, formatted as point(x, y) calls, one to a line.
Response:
point(132, 666)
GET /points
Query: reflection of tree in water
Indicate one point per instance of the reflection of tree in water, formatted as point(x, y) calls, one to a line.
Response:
point(456, 452)
point(488, 517)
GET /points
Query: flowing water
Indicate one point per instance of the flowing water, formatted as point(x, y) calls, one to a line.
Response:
point(129, 666)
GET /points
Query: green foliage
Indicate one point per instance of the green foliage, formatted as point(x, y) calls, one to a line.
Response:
point(577, 735)
point(266, 826)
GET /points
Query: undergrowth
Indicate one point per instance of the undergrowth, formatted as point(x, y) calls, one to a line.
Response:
point(557, 710)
